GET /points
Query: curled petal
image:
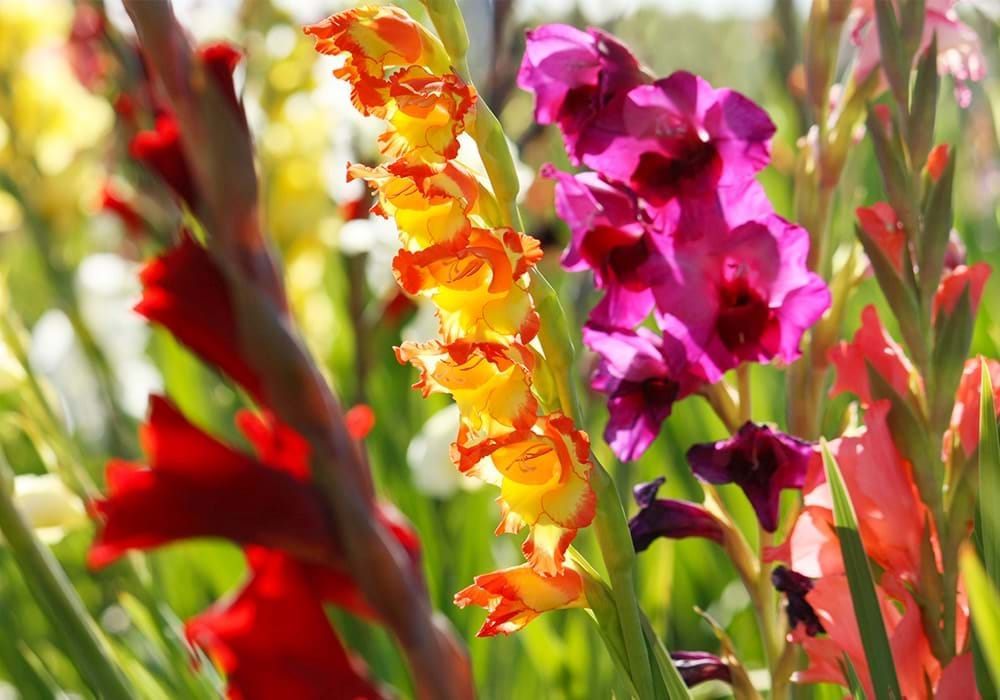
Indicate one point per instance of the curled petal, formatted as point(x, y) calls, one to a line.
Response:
point(516, 596)
point(430, 202)
point(490, 383)
point(479, 290)
point(377, 40)
point(699, 666)
point(427, 114)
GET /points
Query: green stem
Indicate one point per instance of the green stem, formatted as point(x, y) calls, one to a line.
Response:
point(59, 602)
point(746, 396)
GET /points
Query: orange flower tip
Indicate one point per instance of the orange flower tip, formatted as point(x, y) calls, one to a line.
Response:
point(359, 420)
point(937, 161)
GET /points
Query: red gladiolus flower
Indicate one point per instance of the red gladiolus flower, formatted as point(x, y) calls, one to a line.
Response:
point(184, 291)
point(160, 149)
point(274, 640)
point(359, 420)
point(196, 486)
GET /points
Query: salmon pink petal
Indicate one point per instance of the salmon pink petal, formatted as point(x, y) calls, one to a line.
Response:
point(872, 345)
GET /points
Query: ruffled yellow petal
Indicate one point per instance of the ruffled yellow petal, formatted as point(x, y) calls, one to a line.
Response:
point(377, 40)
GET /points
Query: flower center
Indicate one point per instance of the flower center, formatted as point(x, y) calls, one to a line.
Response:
point(659, 391)
point(692, 165)
point(743, 316)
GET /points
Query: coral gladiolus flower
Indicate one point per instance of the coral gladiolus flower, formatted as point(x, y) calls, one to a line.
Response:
point(872, 345)
point(882, 225)
point(963, 431)
point(274, 640)
point(516, 596)
point(759, 460)
point(955, 282)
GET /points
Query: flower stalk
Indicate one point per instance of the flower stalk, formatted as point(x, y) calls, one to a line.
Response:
point(58, 599)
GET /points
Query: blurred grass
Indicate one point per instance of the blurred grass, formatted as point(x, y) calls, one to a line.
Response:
point(559, 655)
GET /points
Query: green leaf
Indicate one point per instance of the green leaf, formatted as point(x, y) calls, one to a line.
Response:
point(911, 27)
point(894, 65)
point(923, 106)
point(667, 672)
point(912, 438)
point(900, 295)
point(989, 478)
point(859, 578)
point(952, 338)
point(895, 174)
point(853, 682)
point(985, 604)
point(935, 231)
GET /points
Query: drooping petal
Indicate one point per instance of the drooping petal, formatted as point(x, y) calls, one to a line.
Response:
point(515, 596)
point(665, 517)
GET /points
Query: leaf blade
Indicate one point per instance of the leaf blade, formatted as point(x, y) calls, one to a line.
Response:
point(871, 627)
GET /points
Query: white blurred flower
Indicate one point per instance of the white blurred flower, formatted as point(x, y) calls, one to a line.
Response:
point(429, 456)
point(377, 237)
point(49, 508)
point(424, 325)
point(107, 287)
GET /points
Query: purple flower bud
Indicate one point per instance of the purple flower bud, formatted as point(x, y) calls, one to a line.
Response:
point(761, 461)
point(664, 517)
point(795, 586)
point(699, 666)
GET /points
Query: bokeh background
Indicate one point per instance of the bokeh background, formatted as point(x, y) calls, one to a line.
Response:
point(68, 270)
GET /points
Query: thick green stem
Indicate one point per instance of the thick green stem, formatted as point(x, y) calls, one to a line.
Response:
point(58, 600)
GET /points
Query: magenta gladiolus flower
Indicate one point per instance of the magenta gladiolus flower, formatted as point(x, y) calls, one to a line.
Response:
point(610, 238)
point(643, 375)
point(666, 517)
point(699, 666)
point(680, 138)
point(576, 76)
point(755, 295)
point(759, 460)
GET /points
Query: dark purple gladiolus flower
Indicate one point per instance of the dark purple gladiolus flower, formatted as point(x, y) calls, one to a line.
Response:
point(643, 375)
point(577, 76)
point(755, 295)
point(795, 586)
point(664, 517)
point(761, 461)
point(699, 666)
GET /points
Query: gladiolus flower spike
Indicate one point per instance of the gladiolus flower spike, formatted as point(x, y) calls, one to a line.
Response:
point(474, 270)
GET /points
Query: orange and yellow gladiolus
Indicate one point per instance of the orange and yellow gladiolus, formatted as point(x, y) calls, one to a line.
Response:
point(456, 253)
